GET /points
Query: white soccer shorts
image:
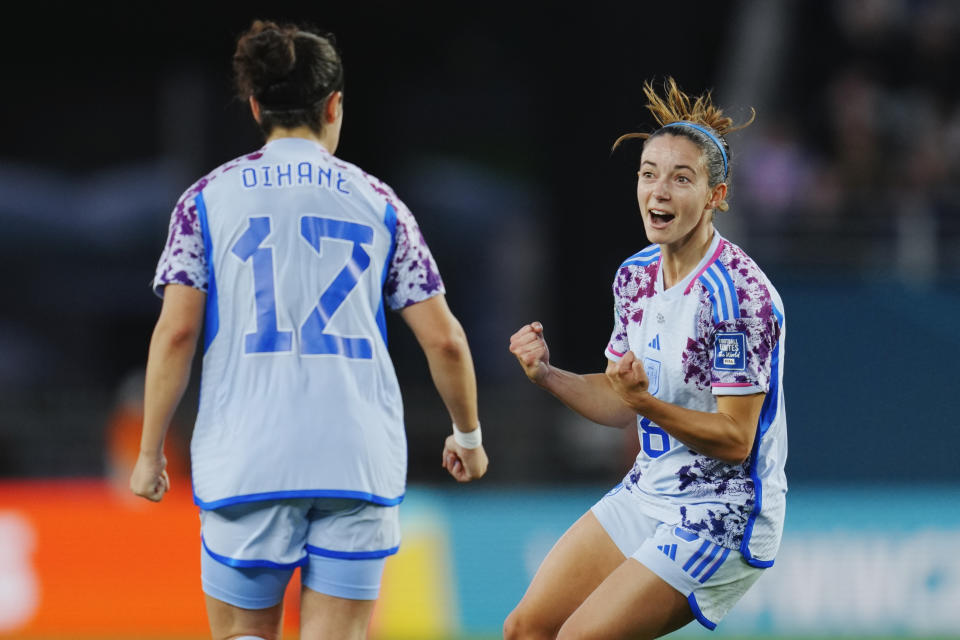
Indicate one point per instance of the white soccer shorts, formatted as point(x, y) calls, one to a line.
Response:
point(713, 578)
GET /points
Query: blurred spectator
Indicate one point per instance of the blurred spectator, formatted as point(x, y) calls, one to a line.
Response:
point(868, 183)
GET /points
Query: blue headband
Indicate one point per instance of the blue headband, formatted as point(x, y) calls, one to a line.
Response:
point(706, 132)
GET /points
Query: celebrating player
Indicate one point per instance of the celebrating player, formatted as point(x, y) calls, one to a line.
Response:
point(286, 258)
point(695, 361)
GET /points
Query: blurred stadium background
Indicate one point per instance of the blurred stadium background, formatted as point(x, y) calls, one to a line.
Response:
point(494, 123)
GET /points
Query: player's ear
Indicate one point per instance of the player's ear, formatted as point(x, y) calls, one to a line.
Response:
point(334, 106)
point(718, 195)
point(255, 109)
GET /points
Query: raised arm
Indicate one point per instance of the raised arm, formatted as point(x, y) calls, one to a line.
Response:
point(726, 435)
point(444, 343)
point(171, 352)
point(590, 395)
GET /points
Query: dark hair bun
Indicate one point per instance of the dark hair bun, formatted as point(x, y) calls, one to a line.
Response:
point(265, 56)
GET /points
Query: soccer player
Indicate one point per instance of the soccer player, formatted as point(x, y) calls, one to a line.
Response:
point(695, 361)
point(286, 259)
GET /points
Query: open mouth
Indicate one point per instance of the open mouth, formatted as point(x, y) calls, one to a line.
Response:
point(660, 218)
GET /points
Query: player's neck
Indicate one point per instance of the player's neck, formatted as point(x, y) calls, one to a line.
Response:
point(303, 132)
point(678, 259)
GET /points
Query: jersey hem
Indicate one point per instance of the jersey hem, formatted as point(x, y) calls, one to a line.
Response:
point(668, 514)
point(302, 493)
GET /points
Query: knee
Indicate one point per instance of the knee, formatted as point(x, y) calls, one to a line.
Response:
point(511, 627)
point(520, 626)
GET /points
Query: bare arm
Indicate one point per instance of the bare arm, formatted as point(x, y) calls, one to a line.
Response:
point(444, 343)
point(591, 395)
point(172, 347)
point(726, 435)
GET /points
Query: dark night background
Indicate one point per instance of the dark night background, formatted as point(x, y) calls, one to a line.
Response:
point(494, 123)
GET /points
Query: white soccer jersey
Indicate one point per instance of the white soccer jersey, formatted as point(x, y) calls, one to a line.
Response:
point(720, 331)
point(297, 251)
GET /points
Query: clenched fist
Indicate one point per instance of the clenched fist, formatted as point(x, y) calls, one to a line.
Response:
point(530, 348)
point(464, 464)
point(629, 379)
point(149, 479)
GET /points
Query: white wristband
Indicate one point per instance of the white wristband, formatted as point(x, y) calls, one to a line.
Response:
point(469, 439)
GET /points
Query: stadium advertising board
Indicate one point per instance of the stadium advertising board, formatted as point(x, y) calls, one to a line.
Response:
point(84, 559)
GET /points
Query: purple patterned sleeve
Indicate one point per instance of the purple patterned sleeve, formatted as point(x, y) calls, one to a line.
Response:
point(732, 357)
point(184, 260)
point(413, 275)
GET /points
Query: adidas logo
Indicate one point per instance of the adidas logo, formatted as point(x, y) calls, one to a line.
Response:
point(669, 550)
point(655, 343)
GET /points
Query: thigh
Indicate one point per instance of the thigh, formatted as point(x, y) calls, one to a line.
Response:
point(347, 549)
point(578, 563)
point(325, 616)
point(632, 602)
point(249, 552)
point(711, 577)
point(229, 621)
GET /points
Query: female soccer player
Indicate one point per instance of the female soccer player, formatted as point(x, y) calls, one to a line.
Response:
point(696, 362)
point(286, 258)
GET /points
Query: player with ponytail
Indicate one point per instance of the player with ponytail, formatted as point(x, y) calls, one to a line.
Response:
point(695, 365)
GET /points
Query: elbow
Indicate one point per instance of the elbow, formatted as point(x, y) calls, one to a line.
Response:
point(450, 344)
point(176, 335)
point(734, 459)
point(737, 452)
point(446, 338)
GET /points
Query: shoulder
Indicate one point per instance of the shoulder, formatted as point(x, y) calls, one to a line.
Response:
point(211, 178)
point(736, 285)
point(379, 192)
point(636, 275)
point(381, 189)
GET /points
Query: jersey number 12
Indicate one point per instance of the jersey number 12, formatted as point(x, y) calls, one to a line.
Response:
point(314, 339)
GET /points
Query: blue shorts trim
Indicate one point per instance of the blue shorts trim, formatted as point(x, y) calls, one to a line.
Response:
point(695, 608)
point(760, 564)
point(352, 555)
point(251, 564)
point(306, 493)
